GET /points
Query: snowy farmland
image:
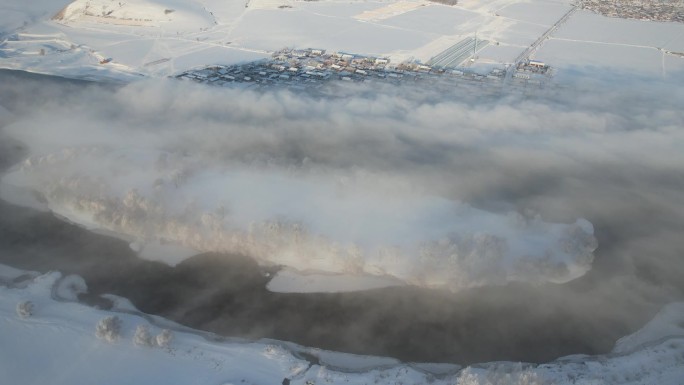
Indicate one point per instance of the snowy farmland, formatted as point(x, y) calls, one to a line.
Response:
point(111, 40)
point(606, 44)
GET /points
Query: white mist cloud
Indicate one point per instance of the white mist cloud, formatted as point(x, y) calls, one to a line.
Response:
point(379, 183)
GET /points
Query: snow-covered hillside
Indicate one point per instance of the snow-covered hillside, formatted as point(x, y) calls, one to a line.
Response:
point(46, 338)
point(179, 16)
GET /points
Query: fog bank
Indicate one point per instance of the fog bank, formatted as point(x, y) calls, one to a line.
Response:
point(345, 185)
point(611, 156)
point(436, 189)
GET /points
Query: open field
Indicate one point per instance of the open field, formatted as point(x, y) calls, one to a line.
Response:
point(182, 37)
point(455, 55)
point(609, 45)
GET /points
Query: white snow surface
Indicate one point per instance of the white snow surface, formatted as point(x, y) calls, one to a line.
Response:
point(69, 287)
point(104, 39)
point(602, 45)
point(57, 345)
point(667, 323)
point(292, 281)
point(174, 15)
point(162, 251)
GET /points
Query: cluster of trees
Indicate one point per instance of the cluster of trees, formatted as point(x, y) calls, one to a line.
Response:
point(109, 329)
point(143, 337)
point(455, 261)
point(461, 261)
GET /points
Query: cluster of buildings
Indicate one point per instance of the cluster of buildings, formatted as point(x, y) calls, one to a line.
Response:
point(531, 73)
point(298, 68)
point(531, 69)
point(656, 10)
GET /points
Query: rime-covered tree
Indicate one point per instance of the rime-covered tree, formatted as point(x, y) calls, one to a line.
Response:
point(142, 336)
point(25, 309)
point(108, 328)
point(164, 338)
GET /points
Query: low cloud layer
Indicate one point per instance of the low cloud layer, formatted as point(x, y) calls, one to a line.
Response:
point(437, 189)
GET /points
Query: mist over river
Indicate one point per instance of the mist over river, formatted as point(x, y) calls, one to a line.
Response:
point(620, 169)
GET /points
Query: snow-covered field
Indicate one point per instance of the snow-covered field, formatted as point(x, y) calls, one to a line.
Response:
point(160, 38)
point(629, 47)
point(54, 341)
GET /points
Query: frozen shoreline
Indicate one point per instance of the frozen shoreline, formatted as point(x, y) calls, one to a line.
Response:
point(121, 272)
point(57, 322)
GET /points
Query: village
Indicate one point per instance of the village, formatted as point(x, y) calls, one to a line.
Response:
point(655, 10)
point(312, 68)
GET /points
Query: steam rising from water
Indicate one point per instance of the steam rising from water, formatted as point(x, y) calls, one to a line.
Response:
point(306, 220)
point(381, 184)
